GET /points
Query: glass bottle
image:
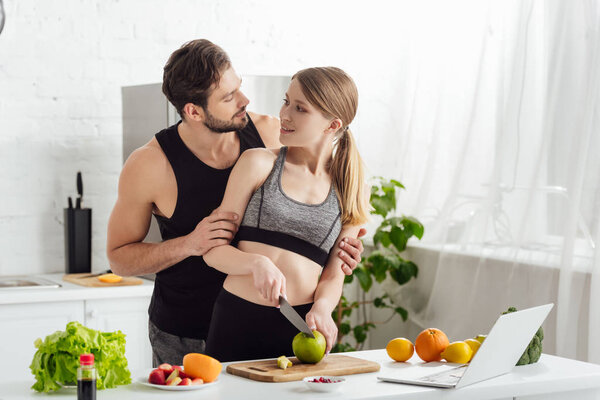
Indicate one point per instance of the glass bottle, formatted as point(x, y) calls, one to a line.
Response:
point(86, 378)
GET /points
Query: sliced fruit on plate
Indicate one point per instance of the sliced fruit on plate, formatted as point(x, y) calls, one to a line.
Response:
point(157, 377)
point(197, 381)
point(174, 382)
point(185, 382)
point(168, 368)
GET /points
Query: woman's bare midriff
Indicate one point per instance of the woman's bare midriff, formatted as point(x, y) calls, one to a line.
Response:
point(301, 275)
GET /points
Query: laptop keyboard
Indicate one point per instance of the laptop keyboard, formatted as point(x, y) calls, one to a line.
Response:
point(449, 377)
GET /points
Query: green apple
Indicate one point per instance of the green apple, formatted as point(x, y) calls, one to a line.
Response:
point(309, 350)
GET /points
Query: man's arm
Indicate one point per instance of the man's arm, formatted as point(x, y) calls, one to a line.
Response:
point(142, 177)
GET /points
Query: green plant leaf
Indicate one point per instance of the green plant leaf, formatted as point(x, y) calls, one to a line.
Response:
point(342, 347)
point(359, 333)
point(382, 237)
point(378, 302)
point(403, 313)
point(349, 278)
point(397, 183)
point(413, 226)
point(398, 238)
point(379, 268)
point(344, 328)
point(404, 271)
point(363, 278)
point(382, 205)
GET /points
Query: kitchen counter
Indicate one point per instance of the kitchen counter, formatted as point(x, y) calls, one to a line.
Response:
point(551, 378)
point(70, 291)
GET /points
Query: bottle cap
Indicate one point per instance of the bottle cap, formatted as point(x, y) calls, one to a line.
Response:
point(86, 359)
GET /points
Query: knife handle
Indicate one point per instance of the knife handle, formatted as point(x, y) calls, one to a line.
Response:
point(79, 184)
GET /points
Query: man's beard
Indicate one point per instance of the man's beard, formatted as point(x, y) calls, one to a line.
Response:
point(221, 126)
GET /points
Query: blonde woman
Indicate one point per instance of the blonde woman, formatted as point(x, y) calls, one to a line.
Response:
point(297, 203)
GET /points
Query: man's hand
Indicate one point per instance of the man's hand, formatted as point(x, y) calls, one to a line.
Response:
point(351, 250)
point(215, 230)
point(321, 320)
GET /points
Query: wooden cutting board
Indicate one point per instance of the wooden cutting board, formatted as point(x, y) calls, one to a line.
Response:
point(94, 282)
point(333, 364)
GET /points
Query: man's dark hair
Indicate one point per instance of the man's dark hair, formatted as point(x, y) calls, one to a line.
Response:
point(191, 71)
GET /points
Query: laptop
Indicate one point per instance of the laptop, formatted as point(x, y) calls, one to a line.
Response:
point(497, 356)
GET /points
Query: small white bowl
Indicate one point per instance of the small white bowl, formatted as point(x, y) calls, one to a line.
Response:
point(336, 383)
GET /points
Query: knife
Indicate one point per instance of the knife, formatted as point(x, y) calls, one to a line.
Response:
point(288, 311)
point(108, 271)
point(79, 190)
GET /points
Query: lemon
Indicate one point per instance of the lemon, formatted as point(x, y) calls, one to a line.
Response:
point(480, 338)
point(474, 345)
point(400, 349)
point(283, 362)
point(457, 352)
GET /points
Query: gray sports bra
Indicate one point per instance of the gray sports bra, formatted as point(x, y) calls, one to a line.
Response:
point(273, 218)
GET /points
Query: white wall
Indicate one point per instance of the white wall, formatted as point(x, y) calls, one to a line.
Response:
point(62, 64)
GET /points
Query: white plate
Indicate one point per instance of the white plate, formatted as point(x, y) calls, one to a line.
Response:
point(337, 383)
point(144, 381)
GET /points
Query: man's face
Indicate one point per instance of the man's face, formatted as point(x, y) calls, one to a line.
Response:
point(226, 106)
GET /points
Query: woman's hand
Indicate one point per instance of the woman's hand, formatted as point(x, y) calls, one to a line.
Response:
point(268, 279)
point(320, 319)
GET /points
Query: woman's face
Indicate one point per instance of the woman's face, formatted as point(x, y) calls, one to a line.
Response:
point(302, 124)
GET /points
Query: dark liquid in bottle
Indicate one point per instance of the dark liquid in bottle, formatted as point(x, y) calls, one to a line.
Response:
point(86, 389)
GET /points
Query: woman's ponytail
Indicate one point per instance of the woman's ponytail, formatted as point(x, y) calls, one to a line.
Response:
point(333, 92)
point(346, 170)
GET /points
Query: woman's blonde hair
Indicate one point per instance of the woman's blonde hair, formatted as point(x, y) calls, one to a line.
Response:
point(333, 92)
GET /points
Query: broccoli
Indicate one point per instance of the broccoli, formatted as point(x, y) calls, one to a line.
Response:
point(534, 349)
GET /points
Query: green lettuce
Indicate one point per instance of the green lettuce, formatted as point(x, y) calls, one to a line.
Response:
point(56, 361)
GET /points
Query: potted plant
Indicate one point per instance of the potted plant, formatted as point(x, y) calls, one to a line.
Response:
point(384, 261)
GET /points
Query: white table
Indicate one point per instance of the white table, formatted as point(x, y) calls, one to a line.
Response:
point(551, 378)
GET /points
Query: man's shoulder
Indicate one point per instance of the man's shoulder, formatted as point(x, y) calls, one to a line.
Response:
point(258, 156)
point(268, 128)
point(148, 156)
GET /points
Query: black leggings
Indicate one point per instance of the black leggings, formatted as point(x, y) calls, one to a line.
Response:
point(241, 330)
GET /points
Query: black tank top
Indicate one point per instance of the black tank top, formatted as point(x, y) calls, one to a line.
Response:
point(184, 294)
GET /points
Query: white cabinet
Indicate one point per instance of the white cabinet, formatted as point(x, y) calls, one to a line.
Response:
point(21, 324)
point(130, 316)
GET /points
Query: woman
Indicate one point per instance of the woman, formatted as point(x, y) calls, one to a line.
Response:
point(297, 202)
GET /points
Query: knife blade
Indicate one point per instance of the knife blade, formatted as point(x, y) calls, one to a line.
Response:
point(288, 311)
point(108, 271)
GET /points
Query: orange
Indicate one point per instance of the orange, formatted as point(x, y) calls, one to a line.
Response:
point(198, 365)
point(110, 278)
point(400, 349)
point(430, 343)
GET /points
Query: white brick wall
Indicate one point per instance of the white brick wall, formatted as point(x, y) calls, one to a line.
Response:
point(62, 64)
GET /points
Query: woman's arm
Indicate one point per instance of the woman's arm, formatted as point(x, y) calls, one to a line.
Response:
point(250, 171)
point(328, 292)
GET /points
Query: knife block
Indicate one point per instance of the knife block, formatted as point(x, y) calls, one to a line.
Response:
point(78, 240)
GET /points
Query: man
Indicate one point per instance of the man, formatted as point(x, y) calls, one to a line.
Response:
point(180, 177)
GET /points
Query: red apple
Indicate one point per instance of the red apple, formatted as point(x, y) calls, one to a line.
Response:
point(157, 377)
point(185, 382)
point(197, 381)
